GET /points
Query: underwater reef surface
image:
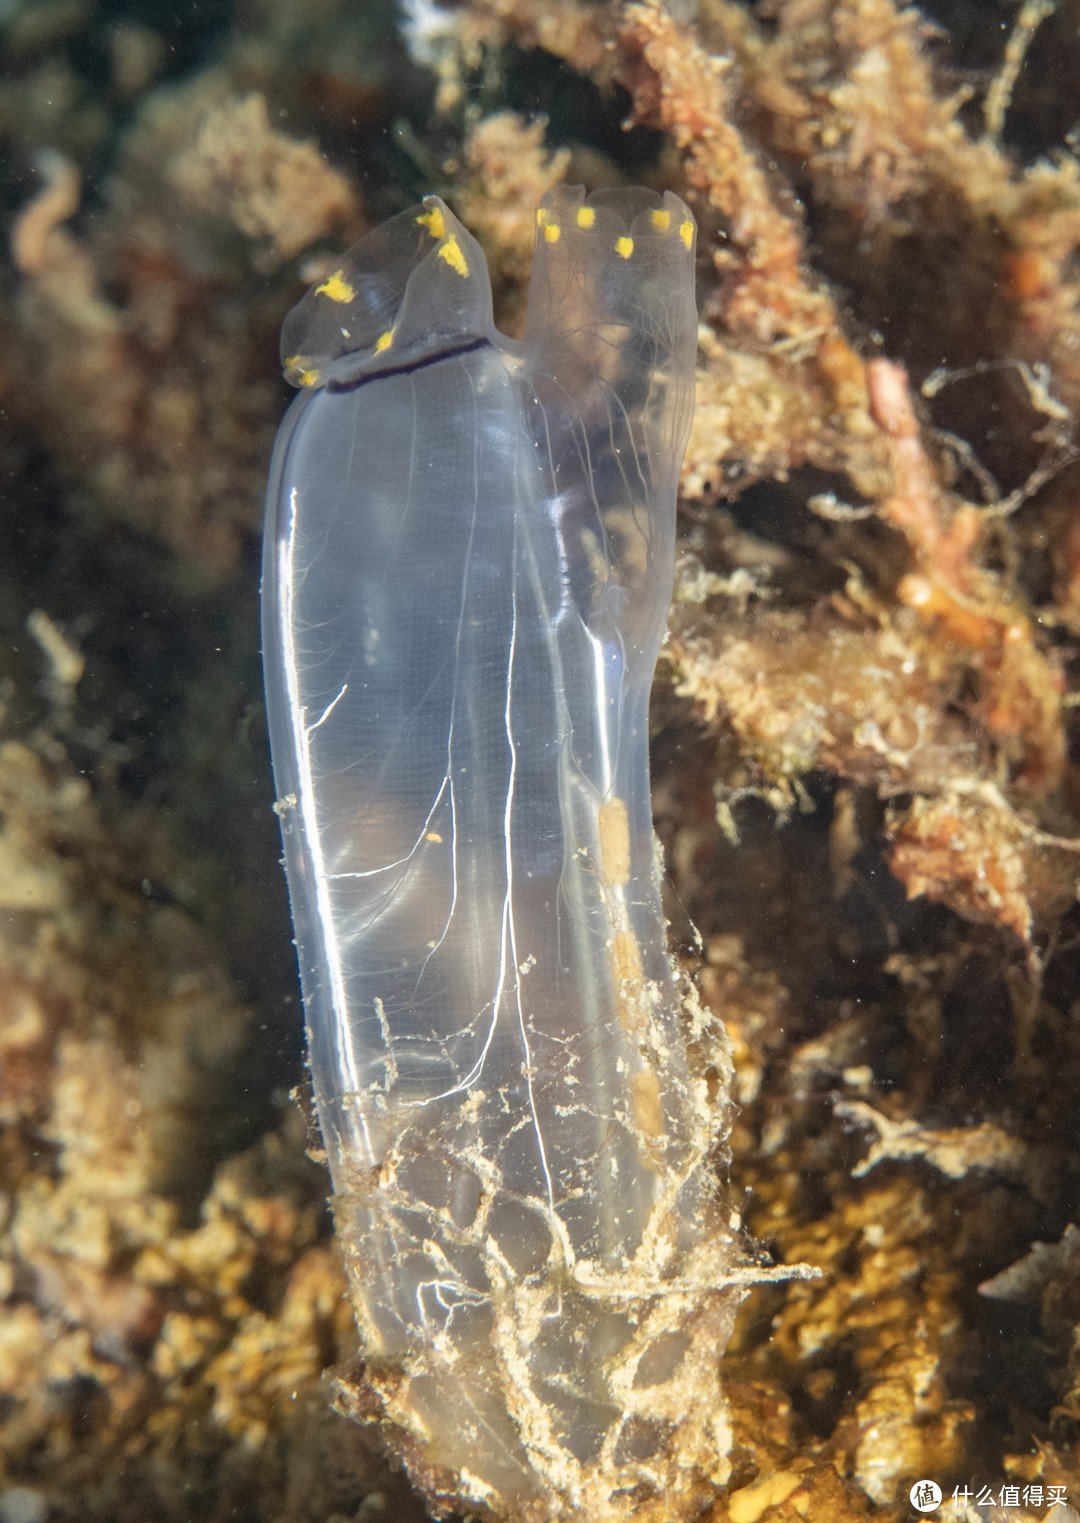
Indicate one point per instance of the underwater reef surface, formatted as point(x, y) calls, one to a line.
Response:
point(865, 735)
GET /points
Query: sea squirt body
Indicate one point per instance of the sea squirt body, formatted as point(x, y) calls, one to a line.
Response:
point(468, 563)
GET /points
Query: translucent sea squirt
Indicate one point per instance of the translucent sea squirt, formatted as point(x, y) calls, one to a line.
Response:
point(468, 563)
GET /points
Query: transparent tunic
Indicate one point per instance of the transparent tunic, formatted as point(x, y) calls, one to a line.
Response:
point(468, 564)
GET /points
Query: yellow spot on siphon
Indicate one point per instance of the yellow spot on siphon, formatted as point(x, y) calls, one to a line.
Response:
point(450, 251)
point(433, 835)
point(336, 287)
point(624, 247)
point(686, 231)
point(542, 215)
point(661, 221)
point(384, 341)
point(308, 378)
point(552, 232)
point(434, 221)
point(586, 216)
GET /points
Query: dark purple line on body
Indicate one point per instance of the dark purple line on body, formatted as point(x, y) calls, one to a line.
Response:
point(451, 352)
